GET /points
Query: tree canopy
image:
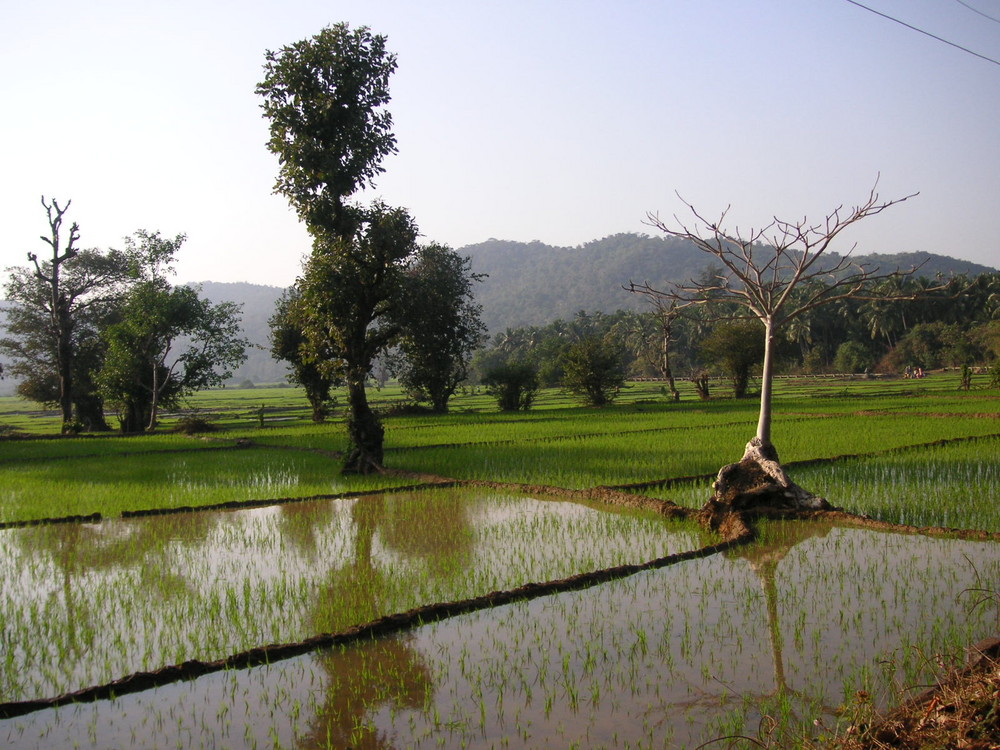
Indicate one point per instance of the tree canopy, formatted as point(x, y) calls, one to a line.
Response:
point(440, 325)
point(351, 291)
point(311, 366)
point(325, 98)
point(167, 341)
point(59, 303)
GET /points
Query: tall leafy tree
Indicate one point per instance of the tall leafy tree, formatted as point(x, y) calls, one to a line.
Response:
point(440, 326)
point(325, 98)
point(351, 291)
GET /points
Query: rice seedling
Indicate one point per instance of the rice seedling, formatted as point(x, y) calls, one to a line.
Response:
point(643, 661)
point(85, 603)
point(140, 481)
point(791, 628)
point(945, 485)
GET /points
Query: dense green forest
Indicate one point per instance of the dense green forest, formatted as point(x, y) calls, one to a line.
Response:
point(534, 284)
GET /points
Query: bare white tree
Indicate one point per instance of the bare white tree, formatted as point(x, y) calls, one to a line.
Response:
point(775, 274)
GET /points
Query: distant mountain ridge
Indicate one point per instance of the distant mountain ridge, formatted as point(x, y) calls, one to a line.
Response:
point(531, 283)
point(534, 283)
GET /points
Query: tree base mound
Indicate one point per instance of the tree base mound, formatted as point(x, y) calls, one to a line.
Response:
point(758, 481)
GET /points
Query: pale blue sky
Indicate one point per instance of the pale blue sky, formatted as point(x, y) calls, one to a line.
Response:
point(557, 121)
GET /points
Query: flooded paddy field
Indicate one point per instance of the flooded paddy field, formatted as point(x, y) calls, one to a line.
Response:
point(811, 622)
point(794, 626)
point(85, 604)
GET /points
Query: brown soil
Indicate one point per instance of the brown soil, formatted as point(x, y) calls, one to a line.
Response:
point(961, 712)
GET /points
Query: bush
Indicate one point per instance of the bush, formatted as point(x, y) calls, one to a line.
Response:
point(594, 370)
point(852, 357)
point(194, 425)
point(513, 384)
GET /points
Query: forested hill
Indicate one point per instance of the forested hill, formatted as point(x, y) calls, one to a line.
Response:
point(534, 283)
point(258, 306)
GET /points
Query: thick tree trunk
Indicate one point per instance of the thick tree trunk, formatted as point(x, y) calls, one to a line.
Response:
point(759, 480)
point(90, 413)
point(365, 431)
point(64, 363)
point(132, 418)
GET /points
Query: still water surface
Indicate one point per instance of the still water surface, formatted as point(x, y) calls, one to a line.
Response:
point(792, 627)
point(84, 604)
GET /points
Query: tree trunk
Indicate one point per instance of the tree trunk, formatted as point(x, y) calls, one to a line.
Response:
point(318, 395)
point(766, 378)
point(700, 380)
point(131, 418)
point(90, 412)
point(759, 480)
point(665, 370)
point(318, 411)
point(64, 362)
point(365, 431)
point(154, 399)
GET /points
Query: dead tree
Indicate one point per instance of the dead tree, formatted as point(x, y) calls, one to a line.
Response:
point(760, 271)
point(60, 318)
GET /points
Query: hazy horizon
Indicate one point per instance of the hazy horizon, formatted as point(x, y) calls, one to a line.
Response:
point(561, 122)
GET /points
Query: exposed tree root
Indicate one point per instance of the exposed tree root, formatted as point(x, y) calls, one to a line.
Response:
point(759, 480)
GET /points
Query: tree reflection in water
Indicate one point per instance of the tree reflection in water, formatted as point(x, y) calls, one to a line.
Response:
point(386, 672)
point(764, 558)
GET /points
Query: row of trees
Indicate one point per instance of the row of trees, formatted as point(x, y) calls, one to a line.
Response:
point(429, 326)
point(88, 329)
point(954, 324)
point(369, 291)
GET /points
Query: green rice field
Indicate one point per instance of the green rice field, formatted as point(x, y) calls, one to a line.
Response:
point(676, 648)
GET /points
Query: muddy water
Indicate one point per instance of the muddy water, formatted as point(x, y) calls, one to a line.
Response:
point(791, 627)
point(84, 604)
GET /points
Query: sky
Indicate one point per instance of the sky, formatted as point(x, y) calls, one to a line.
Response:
point(553, 120)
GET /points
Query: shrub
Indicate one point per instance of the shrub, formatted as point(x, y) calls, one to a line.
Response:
point(513, 384)
point(194, 425)
point(852, 357)
point(594, 370)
